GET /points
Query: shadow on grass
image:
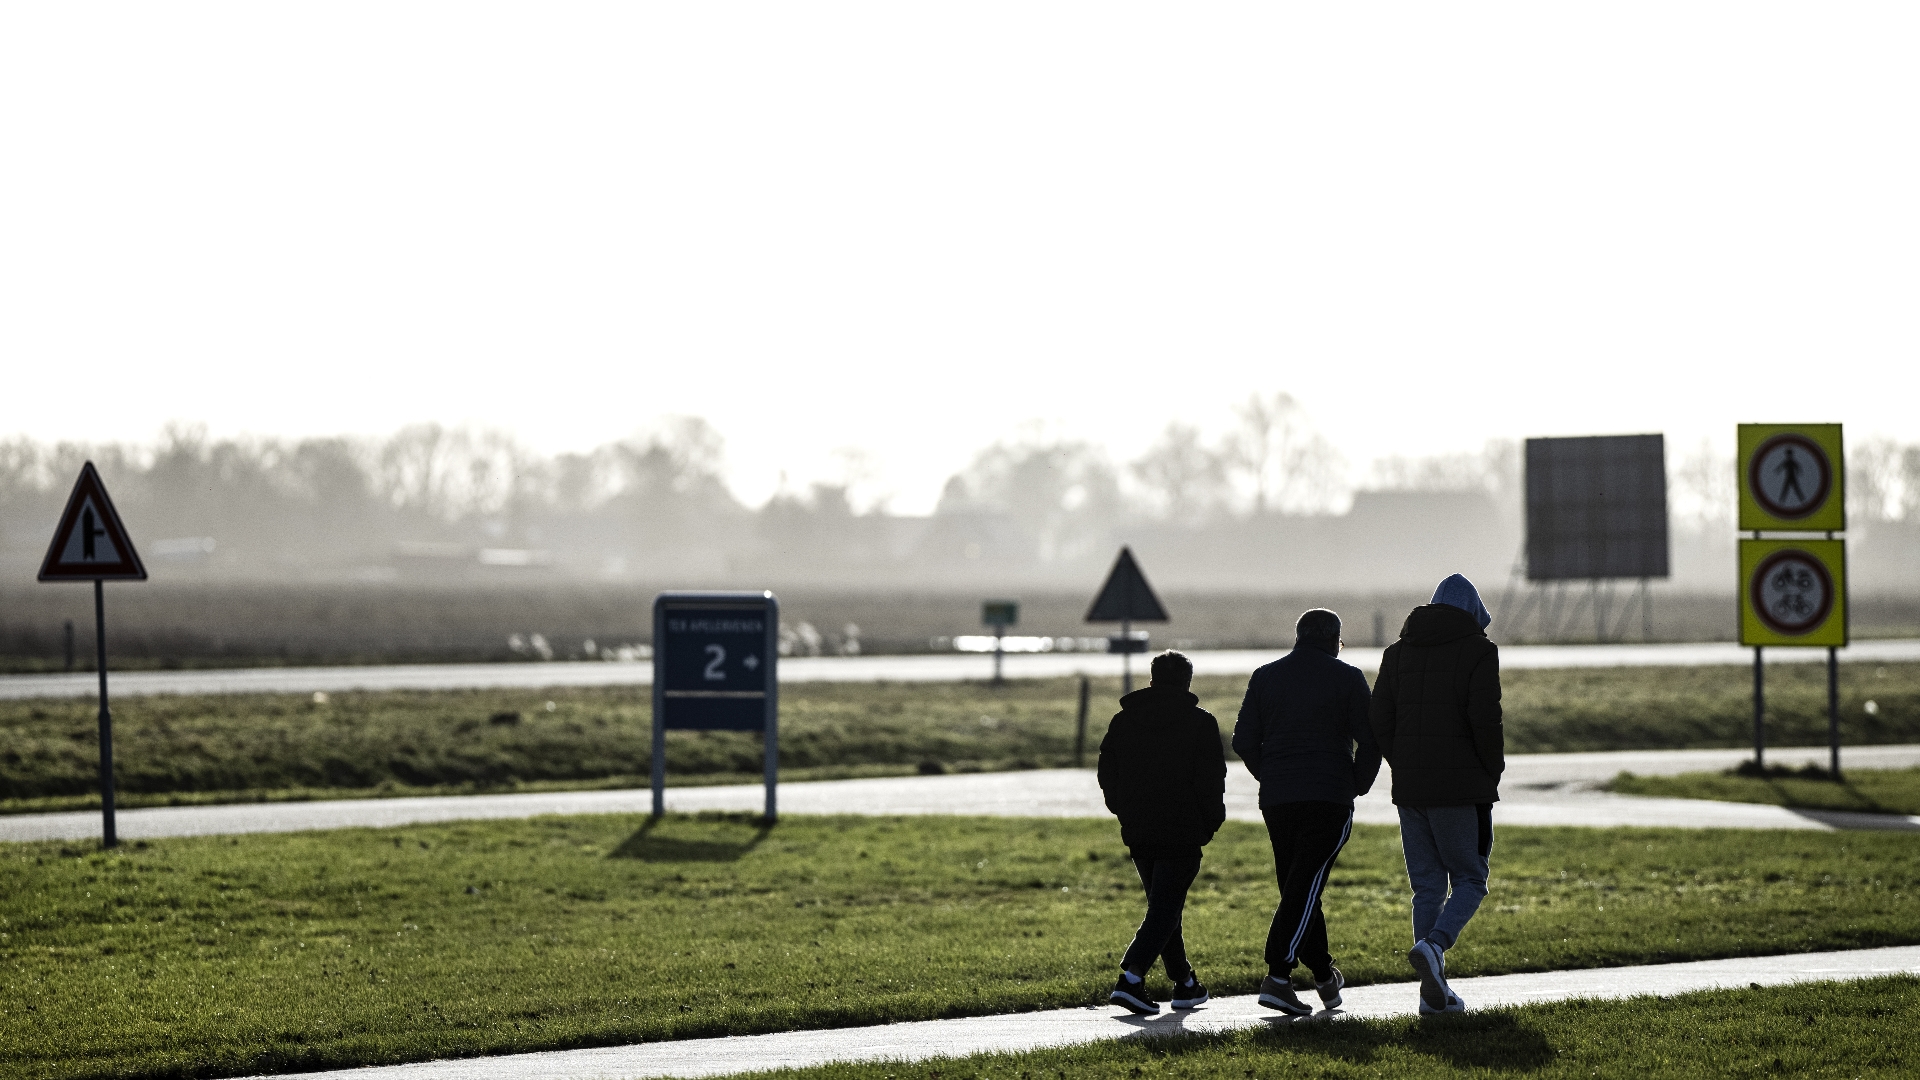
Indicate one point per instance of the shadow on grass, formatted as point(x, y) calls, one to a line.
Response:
point(720, 838)
point(1497, 1041)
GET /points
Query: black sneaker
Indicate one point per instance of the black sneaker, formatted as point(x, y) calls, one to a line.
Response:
point(1132, 996)
point(1278, 994)
point(1329, 989)
point(1189, 994)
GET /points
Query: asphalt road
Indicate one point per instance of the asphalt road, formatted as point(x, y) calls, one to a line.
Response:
point(941, 667)
point(928, 1039)
point(1538, 789)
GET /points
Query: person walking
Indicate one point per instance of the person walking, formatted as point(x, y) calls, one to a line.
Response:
point(1436, 714)
point(1303, 733)
point(1164, 775)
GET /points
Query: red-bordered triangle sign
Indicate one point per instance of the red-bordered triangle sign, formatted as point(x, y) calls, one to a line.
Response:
point(91, 544)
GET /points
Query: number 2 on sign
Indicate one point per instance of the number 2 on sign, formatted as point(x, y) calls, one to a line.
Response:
point(716, 655)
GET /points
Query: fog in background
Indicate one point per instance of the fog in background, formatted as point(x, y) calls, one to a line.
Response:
point(1267, 507)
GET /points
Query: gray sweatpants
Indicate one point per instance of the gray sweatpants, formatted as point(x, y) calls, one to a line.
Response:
point(1446, 847)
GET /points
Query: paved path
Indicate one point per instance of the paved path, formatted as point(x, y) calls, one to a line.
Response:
point(1538, 789)
point(922, 1040)
point(944, 667)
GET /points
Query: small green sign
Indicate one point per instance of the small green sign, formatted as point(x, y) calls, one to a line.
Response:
point(1000, 613)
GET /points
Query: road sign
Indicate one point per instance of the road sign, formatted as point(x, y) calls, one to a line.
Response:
point(715, 656)
point(1000, 613)
point(1126, 597)
point(1792, 477)
point(1793, 592)
point(90, 543)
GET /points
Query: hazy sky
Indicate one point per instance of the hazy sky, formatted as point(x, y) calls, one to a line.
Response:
point(915, 228)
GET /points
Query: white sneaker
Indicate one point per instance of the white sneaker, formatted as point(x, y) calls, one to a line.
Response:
point(1431, 965)
point(1454, 1005)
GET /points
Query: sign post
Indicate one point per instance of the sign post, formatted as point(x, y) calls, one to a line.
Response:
point(715, 656)
point(1793, 588)
point(90, 544)
point(999, 614)
point(1126, 598)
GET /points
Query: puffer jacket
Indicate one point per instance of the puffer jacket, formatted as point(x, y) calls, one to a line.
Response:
point(1304, 730)
point(1436, 710)
point(1164, 773)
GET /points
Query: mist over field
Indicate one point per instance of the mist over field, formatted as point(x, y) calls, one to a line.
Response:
point(1267, 507)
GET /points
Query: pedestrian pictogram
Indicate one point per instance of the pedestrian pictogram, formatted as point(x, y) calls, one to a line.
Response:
point(1792, 476)
point(90, 544)
point(1793, 592)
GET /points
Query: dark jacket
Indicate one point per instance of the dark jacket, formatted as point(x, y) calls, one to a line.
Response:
point(1299, 726)
point(1436, 710)
point(1163, 773)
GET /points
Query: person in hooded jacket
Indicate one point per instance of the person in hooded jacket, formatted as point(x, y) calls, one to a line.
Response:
point(1436, 715)
point(1303, 733)
point(1164, 775)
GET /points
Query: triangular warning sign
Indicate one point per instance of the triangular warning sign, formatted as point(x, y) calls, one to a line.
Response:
point(91, 544)
point(1126, 597)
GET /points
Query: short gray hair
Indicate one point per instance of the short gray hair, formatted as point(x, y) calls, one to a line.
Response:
point(1320, 626)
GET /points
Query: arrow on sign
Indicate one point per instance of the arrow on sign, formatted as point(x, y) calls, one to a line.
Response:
point(90, 543)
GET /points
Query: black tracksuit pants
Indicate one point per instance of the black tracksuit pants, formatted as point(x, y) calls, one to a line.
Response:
point(1307, 838)
point(1166, 882)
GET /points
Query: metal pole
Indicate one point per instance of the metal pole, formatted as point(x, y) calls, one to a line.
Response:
point(107, 838)
point(772, 650)
point(1833, 711)
point(1759, 711)
point(1646, 610)
point(996, 654)
point(659, 710)
point(1080, 728)
point(69, 644)
point(1126, 657)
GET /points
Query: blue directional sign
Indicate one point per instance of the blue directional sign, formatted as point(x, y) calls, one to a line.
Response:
point(715, 656)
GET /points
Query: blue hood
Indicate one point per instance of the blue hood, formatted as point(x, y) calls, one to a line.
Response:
point(1458, 592)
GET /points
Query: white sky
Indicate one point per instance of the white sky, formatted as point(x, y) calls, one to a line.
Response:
point(915, 228)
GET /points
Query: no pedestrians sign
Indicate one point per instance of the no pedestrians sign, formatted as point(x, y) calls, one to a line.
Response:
point(1792, 477)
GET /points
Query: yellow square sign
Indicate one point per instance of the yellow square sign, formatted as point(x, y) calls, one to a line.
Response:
point(1793, 592)
point(1792, 476)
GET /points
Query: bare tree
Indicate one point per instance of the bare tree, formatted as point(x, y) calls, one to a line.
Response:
point(1281, 457)
point(1873, 479)
point(1186, 480)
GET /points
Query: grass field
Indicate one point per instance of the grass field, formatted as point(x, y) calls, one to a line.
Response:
point(1872, 791)
point(171, 749)
point(188, 623)
point(1854, 1029)
point(216, 956)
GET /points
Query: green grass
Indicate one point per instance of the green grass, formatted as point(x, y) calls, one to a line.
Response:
point(1849, 1029)
point(1872, 791)
point(219, 956)
point(191, 748)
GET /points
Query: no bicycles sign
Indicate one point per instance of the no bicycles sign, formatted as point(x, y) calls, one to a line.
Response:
point(1792, 477)
point(1793, 592)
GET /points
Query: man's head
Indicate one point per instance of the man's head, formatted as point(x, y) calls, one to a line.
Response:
point(1319, 628)
point(1458, 592)
point(1172, 671)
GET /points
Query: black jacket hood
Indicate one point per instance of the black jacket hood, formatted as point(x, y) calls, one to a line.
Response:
point(1159, 697)
point(1437, 624)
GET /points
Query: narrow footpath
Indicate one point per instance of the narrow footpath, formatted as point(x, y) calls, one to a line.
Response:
point(1538, 789)
point(922, 1040)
